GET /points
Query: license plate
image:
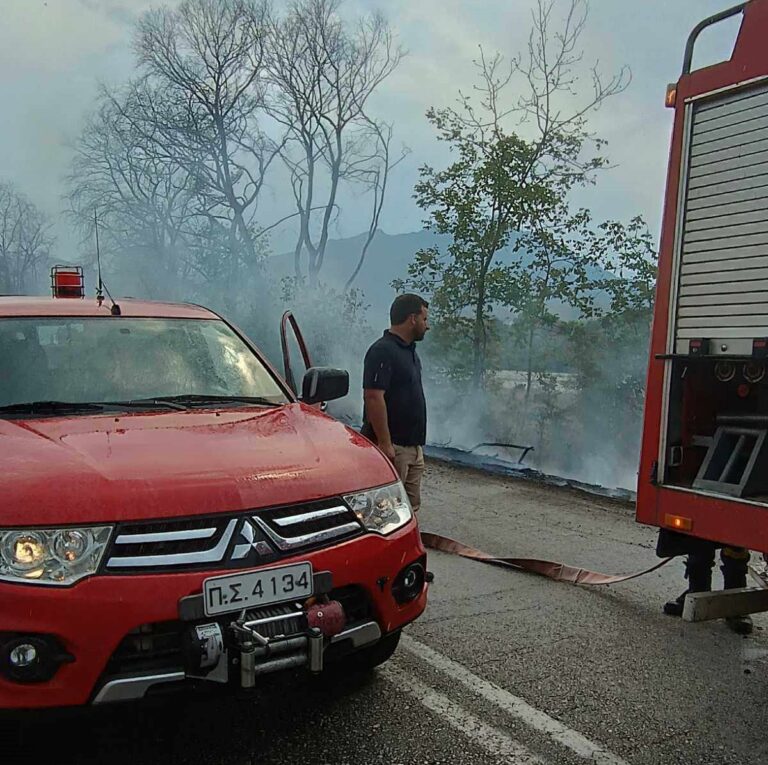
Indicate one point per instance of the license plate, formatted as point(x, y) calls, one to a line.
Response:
point(224, 594)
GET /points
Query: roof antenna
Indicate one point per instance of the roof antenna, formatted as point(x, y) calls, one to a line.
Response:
point(102, 288)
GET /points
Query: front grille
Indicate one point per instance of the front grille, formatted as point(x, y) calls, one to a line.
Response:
point(355, 601)
point(226, 541)
point(297, 528)
point(149, 648)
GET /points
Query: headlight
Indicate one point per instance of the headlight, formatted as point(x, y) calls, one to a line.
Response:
point(51, 556)
point(382, 510)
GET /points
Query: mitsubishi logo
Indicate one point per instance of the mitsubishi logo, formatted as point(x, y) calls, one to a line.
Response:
point(247, 541)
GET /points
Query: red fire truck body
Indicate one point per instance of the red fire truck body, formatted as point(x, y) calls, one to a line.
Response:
point(704, 462)
point(173, 514)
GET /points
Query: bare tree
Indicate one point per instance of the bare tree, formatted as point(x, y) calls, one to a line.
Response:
point(144, 199)
point(323, 76)
point(25, 241)
point(372, 176)
point(207, 58)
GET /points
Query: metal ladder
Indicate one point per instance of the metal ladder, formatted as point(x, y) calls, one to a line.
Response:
point(736, 462)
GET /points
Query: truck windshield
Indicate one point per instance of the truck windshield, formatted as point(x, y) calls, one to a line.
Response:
point(94, 360)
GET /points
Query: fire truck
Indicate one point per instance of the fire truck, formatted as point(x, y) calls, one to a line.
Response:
point(175, 515)
point(704, 461)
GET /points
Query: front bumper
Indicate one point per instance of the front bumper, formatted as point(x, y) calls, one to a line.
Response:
point(284, 654)
point(91, 619)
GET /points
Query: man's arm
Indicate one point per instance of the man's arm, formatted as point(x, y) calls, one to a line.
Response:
point(376, 411)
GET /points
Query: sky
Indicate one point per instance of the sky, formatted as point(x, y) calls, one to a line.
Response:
point(54, 54)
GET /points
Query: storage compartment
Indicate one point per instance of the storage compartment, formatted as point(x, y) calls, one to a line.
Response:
point(722, 275)
point(717, 427)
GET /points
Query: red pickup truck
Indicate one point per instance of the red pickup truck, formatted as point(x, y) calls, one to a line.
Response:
point(173, 514)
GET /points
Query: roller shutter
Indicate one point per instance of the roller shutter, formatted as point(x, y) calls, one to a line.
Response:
point(723, 275)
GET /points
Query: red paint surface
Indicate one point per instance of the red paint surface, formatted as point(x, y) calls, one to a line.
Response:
point(92, 617)
point(41, 306)
point(168, 464)
point(175, 464)
point(722, 520)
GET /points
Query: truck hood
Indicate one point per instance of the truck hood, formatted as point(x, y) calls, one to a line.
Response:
point(111, 468)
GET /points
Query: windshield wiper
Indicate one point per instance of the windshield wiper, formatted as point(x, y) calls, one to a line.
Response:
point(146, 403)
point(50, 407)
point(206, 398)
point(66, 407)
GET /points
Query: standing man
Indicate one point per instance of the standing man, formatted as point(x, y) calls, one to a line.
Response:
point(395, 414)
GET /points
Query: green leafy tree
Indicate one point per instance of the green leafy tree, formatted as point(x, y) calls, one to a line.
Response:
point(516, 160)
point(609, 353)
point(561, 248)
point(631, 261)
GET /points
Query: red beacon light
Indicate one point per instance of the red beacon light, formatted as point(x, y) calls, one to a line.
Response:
point(67, 282)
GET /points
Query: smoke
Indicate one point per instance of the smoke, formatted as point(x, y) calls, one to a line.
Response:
point(583, 423)
point(570, 438)
point(190, 241)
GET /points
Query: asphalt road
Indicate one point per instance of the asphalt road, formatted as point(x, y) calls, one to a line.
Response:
point(503, 668)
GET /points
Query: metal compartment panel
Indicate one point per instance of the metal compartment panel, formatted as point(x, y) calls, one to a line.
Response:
point(723, 264)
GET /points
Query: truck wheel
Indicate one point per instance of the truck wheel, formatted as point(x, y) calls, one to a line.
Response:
point(366, 659)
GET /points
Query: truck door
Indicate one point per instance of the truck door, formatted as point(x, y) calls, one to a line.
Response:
point(318, 384)
point(290, 334)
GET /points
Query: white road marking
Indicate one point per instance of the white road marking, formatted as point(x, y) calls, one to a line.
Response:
point(514, 705)
point(494, 741)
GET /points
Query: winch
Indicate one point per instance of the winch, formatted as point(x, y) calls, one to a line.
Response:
point(287, 636)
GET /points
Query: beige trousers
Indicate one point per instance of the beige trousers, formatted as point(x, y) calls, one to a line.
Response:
point(409, 463)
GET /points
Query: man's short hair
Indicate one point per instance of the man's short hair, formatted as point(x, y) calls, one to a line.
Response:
point(405, 306)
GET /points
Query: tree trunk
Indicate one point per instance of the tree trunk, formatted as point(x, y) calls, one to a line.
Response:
point(529, 370)
point(329, 207)
point(480, 340)
point(297, 257)
point(239, 224)
point(305, 212)
point(5, 278)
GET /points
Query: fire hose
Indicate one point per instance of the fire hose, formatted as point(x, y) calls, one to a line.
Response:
point(559, 572)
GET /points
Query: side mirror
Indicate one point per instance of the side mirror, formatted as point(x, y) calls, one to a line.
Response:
point(324, 384)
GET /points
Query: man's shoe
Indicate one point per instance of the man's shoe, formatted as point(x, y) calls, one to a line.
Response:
point(741, 625)
point(675, 607)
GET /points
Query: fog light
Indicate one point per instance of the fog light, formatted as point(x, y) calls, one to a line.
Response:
point(31, 658)
point(23, 655)
point(409, 583)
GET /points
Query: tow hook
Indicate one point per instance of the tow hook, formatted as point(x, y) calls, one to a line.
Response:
point(315, 650)
point(247, 664)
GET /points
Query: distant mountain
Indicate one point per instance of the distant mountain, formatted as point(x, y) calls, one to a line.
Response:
point(387, 259)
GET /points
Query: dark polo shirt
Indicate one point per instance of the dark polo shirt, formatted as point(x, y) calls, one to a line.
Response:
point(392, 365)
